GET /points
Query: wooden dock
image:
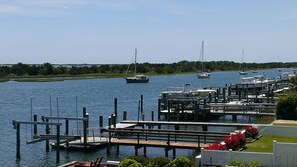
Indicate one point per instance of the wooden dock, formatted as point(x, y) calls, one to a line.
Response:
point(162, 138)
point(175, 123)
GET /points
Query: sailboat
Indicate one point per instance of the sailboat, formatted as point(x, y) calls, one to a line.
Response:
point(242, 72)
point(202, 73)
point(137, 78)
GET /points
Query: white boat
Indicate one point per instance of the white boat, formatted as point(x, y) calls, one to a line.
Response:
point(255, 79)
point(202, 73)
point(137, 78)
point(242, 72)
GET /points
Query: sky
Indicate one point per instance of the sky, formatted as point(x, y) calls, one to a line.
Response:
point(163, 31)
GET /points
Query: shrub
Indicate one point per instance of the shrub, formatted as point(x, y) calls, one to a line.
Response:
point(141, 159)
point(287, 107)
point(216, 146)
point(129, 163)
point(160, 161)
point(235, 141)
point(180, 162)
point(251, 132)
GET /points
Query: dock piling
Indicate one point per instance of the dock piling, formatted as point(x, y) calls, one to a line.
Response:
point(101, 124)
point(85, 126)
point(47, 131)
point(124, 115)
point(35, 126)
point(18, 143)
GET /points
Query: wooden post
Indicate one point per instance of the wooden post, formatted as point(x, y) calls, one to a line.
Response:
point(174, 153)
point(183, 110)
point(138, 110)
point(268, 95)
point(101, 124)
point(159, 109)
point(116, 107)
point(35, 126)
point(84, 111)
point(114, 120)
point(109, 138)
point(168, 109)
point(85, 122)
point(124, 115)
point(176, 127)
point(109, 122)
point(136, 150)
point(118, 149)
point(47, 131)
point(141, 107)
point(18, 141)
point(67, 131)
point(144, 150)
point(152, 115)
point(224, 95)
point(234, 117)
point(204, 128)
point(58, 144)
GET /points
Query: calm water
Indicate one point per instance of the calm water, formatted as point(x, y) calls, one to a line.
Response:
point(67, 98)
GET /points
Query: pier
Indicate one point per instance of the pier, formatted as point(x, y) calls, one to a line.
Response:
point(167, 139)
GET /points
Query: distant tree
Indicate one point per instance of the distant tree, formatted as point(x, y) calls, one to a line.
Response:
point(168, 69)
point(3, 72)
point(33, 70)
point(94, 69)
point(104, 68)
point(73, 71)
point(19, 69)
point(46, 69)
point(59, 70)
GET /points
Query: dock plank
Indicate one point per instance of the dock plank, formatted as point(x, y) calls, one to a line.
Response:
point(157, 143)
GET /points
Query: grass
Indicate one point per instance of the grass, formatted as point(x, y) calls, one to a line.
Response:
point(264, 144)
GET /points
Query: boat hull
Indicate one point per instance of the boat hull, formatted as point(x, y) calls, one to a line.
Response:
point(132, 80)
point(203, 75)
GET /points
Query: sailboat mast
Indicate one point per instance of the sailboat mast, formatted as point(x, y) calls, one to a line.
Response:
point(202, 56)
point(135, 61)
point(242, 57)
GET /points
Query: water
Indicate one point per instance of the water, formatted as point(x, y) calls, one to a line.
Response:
point(67, 98)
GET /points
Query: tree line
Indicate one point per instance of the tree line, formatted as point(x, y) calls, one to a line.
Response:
point(46, 69)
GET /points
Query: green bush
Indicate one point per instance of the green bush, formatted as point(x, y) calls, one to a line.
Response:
point(180, 162)
point(287, 107)
point(129, 163)
point(141, 159)
point(160, 161)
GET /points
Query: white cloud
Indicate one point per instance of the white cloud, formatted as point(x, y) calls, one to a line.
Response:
point(8, 8)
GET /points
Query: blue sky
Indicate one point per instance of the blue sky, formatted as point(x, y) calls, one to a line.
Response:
point(164, 31)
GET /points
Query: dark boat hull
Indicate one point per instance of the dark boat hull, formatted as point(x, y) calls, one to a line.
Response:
point(137, 80)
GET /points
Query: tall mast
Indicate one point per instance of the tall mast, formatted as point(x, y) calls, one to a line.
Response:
point(242, 57)
point(135, 61)
point(202, 53)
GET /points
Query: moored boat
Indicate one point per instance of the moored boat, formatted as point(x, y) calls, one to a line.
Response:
point(202, 73)
point(137, 78)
